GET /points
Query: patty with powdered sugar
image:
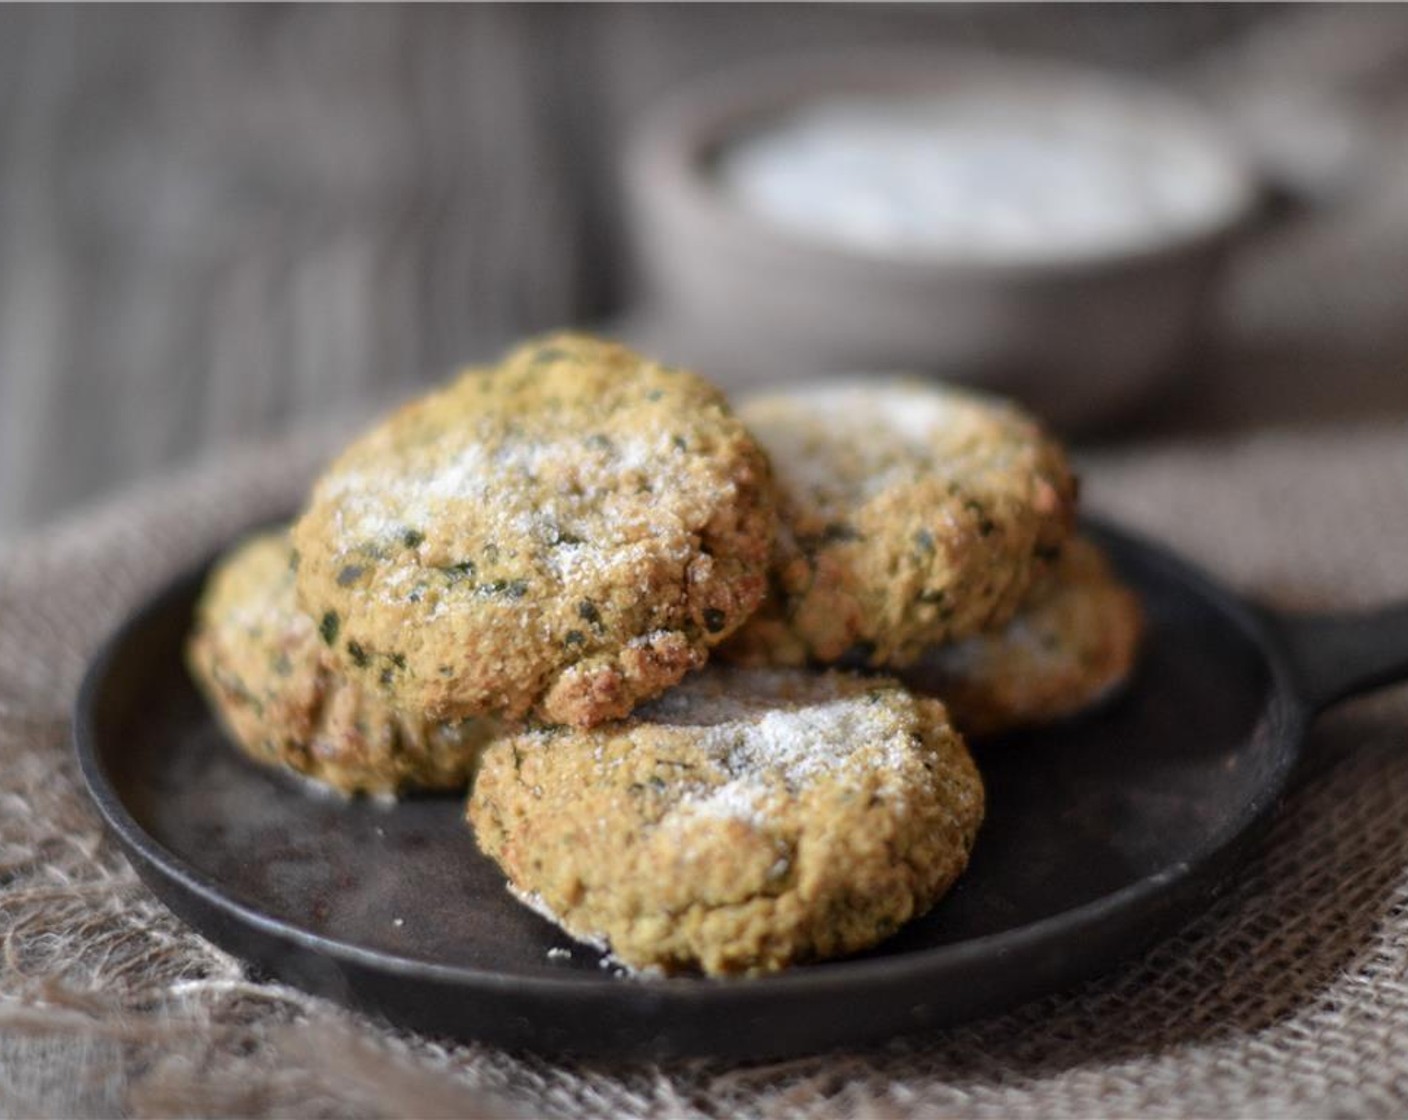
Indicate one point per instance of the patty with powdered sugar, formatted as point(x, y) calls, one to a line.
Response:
point(910, 514)
point(745, 821)
point(559, 537)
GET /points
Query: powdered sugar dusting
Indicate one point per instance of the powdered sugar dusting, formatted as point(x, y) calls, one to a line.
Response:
point(568, 504)
point(881, 426)
point(738, 800)
point(913, 413)
point(272, 612)
point(1019, 636)
point(378, 505)
point(777, 733)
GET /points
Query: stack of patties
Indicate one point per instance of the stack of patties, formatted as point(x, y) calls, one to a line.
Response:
point(928, 532)
point(525, 572)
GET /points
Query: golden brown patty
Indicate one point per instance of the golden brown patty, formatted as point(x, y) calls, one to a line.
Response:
point(910, 515)
point(745, 821)
point(561, 536)
point(266, 672)
point(1073, 643)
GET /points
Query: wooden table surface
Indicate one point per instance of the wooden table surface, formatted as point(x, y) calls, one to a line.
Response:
point(219, 221)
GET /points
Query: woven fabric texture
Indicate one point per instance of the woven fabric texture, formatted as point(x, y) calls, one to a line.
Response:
point(1289, 998)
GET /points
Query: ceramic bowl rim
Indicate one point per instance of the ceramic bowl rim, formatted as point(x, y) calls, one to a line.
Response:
point(670, 151)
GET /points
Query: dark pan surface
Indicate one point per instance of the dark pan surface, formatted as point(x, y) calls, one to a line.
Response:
point(1100, 833)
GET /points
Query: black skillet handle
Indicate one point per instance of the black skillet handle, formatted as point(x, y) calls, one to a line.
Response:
point(1335, 656)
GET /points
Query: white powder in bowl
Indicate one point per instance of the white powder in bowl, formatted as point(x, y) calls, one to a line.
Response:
point(985, 174)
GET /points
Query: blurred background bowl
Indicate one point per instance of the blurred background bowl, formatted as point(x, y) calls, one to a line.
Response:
point(1080, 334)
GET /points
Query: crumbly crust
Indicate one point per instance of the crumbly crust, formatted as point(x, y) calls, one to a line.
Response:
point(745, 821)
point(266, 672)
point(560, 537)
point(1073, 644)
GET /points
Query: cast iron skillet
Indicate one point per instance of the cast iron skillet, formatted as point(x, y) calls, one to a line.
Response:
point(1102, 834)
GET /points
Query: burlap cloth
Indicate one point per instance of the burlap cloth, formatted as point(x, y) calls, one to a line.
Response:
point(1289, 998)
